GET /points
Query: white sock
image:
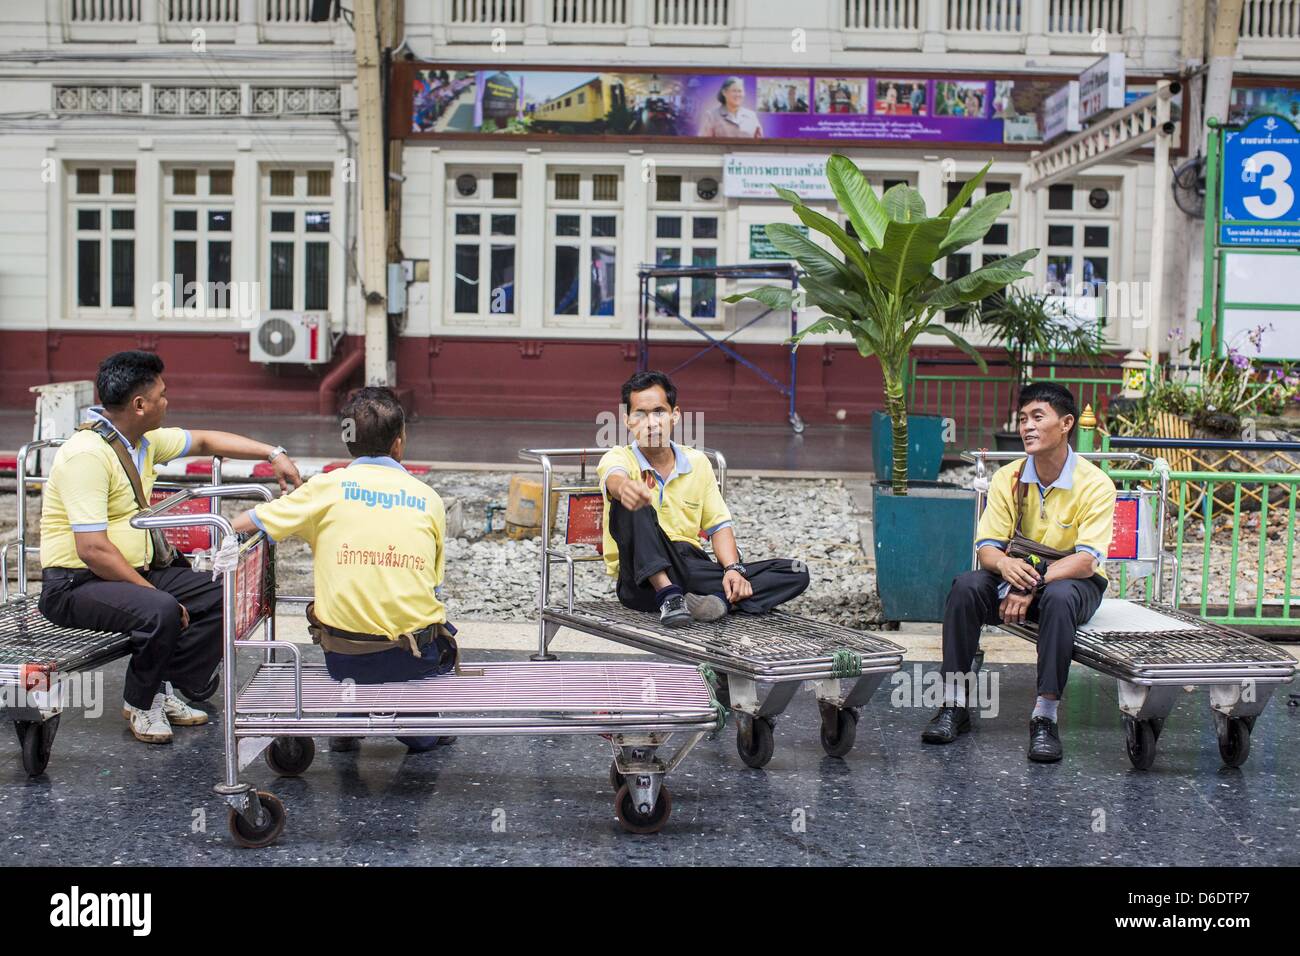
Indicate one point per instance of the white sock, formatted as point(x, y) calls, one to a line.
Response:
point(1046, 708)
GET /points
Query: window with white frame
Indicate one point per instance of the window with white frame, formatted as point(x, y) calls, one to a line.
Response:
point(1082, 223)
point(198, 225)
point(296, 209)
point(585, 220)
point(101, 230)
point(686, 218)
point(483, 225)
point(998, 243)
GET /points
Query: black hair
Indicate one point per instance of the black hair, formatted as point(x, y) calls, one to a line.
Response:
point(124, 375)
point(376, 418)
point(1053, 393)
point(640, 381)
point(729, 81)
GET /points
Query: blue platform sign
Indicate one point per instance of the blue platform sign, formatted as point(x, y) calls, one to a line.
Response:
point(1261, 185)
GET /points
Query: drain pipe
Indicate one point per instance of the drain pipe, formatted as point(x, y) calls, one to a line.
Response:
point(337, 377)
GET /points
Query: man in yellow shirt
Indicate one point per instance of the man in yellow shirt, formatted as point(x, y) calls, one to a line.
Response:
point(97, 571)
point(376, 534)
point(660, 497)
point(1065, 503)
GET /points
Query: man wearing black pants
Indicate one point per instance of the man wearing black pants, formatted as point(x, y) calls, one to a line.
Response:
point(100, 573)
point(660, 498)
point(1060, 501)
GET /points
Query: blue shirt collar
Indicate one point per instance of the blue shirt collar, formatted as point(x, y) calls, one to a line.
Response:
point(1064, 481)
point(96, 413)
point(386, 460)
point(681, 464)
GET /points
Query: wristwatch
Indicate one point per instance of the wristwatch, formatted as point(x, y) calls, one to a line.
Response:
point(276, 452)
point(737, 567)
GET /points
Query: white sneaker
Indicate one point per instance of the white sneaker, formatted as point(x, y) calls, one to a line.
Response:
point(149, 726)
point(179, 713)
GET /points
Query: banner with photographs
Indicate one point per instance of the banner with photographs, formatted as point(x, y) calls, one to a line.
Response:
point(767, 107)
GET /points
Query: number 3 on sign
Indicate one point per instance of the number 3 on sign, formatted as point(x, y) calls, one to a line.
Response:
point(1275, 182)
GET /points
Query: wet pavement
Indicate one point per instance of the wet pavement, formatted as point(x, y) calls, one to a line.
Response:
point(106, 799)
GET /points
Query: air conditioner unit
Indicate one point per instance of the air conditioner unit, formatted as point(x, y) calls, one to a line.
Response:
point(295, 337)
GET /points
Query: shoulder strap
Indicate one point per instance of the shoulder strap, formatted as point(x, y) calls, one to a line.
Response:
point(1018, 497)
point(107, 432)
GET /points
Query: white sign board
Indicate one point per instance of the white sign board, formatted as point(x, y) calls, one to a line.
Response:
point(747, 176)
point(1061, 112)
point(1101, 87)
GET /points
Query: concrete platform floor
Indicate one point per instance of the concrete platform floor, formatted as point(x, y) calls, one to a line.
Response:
point(821, 448)
point(107, 799)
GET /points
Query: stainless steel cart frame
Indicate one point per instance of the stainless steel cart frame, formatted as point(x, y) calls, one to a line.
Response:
point(287, 701)
point(35, 655)
point(762, 659)
point(1153, 649)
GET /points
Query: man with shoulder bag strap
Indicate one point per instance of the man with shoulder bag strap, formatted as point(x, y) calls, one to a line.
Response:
point(376, 534)
point(100, 573)
point(1040, 545)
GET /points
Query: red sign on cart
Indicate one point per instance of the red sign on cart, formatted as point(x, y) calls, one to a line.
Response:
point(190, 539)
point(586, 520)
point(1124, 538)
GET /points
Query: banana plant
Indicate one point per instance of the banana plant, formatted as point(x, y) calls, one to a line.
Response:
point(881, 290)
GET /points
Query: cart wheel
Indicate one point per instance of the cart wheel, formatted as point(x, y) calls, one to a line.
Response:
point(253, 837)
point(203, 693)
point(290, 756)
point(1140, 741)
point(615, 778)
point(1234, 740)
point(37, 738)
point(837, 739)
point(797, 424)
point(761, 744)
point(633, 820)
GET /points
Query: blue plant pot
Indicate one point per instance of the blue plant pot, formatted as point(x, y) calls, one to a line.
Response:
point(922, 541)
point(924, 446)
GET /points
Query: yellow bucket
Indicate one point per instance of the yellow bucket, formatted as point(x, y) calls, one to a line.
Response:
point(524, 507)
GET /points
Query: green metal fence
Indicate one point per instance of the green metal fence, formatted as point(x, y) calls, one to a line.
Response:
point(1238, 567)
point(978, 403)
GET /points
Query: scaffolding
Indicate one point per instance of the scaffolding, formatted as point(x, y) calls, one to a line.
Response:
point(651, 305)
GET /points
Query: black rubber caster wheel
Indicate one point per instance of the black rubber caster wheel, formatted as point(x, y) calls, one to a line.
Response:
point(253, 837)
point(632, 820)
point(615, 778)
point(1234, 739)
point(839, 731)
point(37, 739)
point(290, 756)
point(756, 751)
point(199, 695)
point(1140, 742)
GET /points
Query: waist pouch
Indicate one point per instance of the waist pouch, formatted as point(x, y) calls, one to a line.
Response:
point(337, 641)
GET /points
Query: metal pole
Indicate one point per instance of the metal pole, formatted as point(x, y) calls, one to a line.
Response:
point(374, 245)
point(1161, 200)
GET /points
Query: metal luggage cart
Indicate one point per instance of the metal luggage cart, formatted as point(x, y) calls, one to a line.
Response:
point(287, 701)
point(37, 658)
point(1153, 649)
point(761, 660)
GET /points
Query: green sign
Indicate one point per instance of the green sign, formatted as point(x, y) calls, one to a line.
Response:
point(760, 247)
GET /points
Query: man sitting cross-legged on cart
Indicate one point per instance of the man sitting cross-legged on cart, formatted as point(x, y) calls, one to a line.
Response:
point(1065, 503)
point(659, 497)
point(376, 534)
point(100, 573)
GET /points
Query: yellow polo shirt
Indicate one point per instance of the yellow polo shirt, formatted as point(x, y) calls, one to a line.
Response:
point(88, 490)
point(688, 499)
point(376, 534)
point(1074, 513)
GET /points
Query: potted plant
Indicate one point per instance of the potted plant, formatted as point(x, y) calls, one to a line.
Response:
point(882, 292)
point(1030, 324)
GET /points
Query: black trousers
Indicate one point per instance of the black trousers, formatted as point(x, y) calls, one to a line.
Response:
point(644, 549)
point(161, 651)
point(1058, 610)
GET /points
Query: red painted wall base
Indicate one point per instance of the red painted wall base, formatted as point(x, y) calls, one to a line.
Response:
point(467, 377)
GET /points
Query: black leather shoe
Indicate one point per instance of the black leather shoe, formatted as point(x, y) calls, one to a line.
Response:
point(1044, 741)
point(947, 725)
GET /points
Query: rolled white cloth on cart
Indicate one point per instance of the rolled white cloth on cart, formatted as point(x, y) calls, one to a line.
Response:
point(226, 557)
